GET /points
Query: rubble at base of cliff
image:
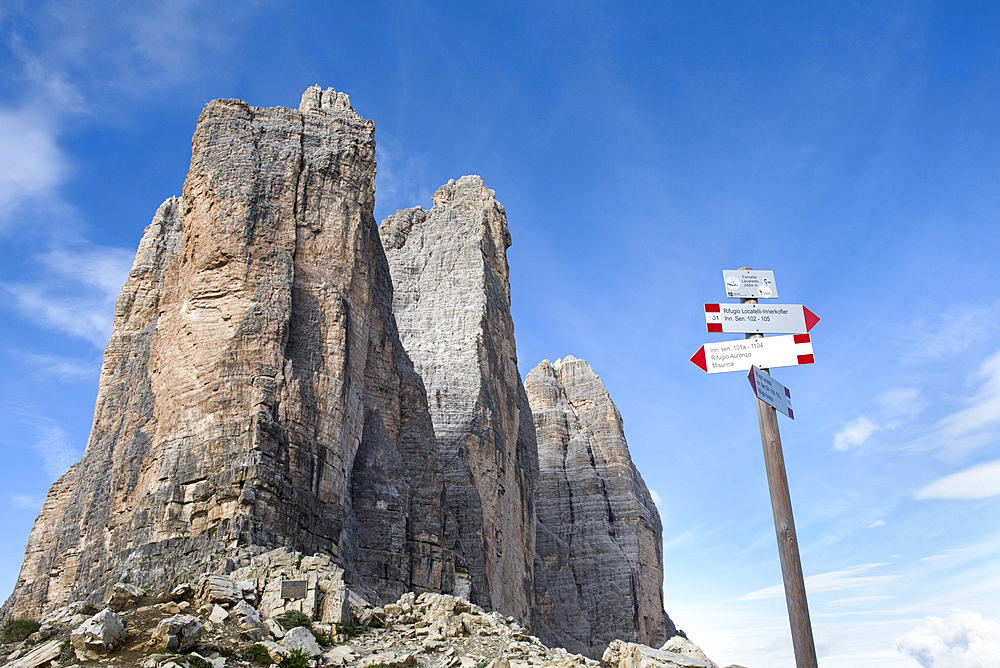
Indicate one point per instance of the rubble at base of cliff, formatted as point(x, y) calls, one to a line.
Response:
point(241, 619)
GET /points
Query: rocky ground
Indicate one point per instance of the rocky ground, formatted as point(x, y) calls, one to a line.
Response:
point(221, 622)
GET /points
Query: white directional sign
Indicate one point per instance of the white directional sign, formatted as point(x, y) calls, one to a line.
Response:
point(770, 391)
point(749, 284)
point(765, 352)
point(760, 318)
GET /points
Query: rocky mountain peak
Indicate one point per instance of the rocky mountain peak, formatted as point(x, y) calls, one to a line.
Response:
point(599, 569)
point(285, 376)
point(315, 99)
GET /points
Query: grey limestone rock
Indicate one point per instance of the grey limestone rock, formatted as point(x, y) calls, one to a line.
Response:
point(179, 633)
point(452, 306)
point(98, 635)
point(300, 638)
point(599, 566)
point(254, 390)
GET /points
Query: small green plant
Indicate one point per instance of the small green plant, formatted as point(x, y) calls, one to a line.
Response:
point(16, 630)
point(321, 638)
point(482, 664)
point(67, 652)
point(212, 529)
point(296, 659)
point(258, 654)
point(197, 662)
point(289, 620)
point(349, 630)
point(375, 623)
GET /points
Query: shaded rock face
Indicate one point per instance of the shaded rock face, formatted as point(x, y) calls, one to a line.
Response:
point(254, 390)
point(599, 566)
point(452, 306)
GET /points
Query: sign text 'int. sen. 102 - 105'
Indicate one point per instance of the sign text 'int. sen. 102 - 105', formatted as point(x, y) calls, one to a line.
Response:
point(752, 318)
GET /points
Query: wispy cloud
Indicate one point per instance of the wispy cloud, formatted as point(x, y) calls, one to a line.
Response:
point(965, 640)
point(982, 410)
point(77, 293)
point(850, 578)
point(53, 366)
point(31, 164)
point(54, 449)
point(26, 501)
point(854, 434)
point(896, 408)
point(947, 333)
point(979, 482)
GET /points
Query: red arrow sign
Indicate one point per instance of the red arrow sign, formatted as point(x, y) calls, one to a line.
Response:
point(766, 353)
point(752, 318)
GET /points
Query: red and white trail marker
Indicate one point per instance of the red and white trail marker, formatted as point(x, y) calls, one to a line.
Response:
point(770, 391)
point(766, 353)
point(752, 318)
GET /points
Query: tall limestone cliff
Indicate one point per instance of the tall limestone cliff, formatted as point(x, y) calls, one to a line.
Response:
point(256, 393)
point(452, 306)
point(254, 390)
point(599, 570)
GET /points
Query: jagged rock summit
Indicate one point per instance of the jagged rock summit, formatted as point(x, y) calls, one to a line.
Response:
point(599, 570)
point(451, 300)
point(284, 375)
point(254, 390)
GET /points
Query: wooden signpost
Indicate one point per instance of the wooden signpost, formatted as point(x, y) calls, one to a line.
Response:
point(745, 279)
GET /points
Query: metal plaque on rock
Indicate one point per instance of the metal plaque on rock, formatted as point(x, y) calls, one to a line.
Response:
point(294, 588)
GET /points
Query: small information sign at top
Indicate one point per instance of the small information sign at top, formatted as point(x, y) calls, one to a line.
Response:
point(750, 284)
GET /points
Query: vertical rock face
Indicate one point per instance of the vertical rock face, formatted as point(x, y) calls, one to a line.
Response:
point(452, 307)
point(254, 390)
point(599, 566)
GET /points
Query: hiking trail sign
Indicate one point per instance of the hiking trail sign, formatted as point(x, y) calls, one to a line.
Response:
point(766, 353)
point(771, 392)
point(758, 354)
point(750, 318)
point(749, 284)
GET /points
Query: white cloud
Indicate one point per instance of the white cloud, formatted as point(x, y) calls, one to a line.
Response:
point(902, 402)
point(655, 497)
point(77, 293)
point(983, 408)
point(849, 578)
point(859, 600)
point(27, 502)
point(965, 640)
point(854, 434)
point(876, 524)
point(56, 453)
point(946, 333)
point(31, 164)
point(64, 368)
point(979, 482)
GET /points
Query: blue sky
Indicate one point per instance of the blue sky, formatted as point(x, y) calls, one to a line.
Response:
point(639, 149)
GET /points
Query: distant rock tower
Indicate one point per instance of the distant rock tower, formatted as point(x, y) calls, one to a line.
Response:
point(599, 572)
point(452, 306)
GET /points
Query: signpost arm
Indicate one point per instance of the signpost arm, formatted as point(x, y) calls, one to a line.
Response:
point(784, 527)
